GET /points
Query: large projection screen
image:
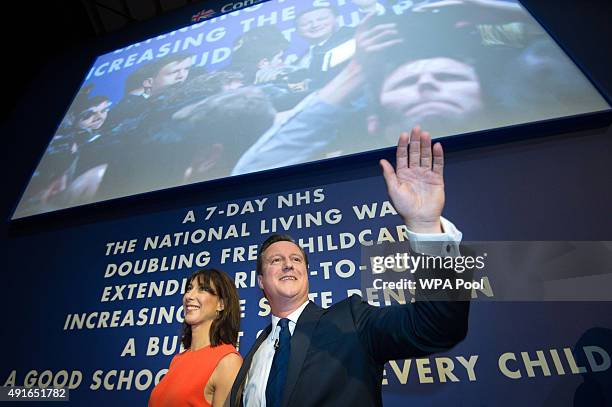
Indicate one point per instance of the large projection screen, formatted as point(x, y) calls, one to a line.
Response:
point(286, 82)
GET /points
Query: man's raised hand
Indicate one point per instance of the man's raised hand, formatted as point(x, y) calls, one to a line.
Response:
point(416, 185)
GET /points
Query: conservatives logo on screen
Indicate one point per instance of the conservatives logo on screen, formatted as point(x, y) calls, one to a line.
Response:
point(203, 15)
point(239, 4)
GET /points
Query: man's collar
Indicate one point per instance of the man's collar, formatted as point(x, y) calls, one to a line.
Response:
point(293, 317)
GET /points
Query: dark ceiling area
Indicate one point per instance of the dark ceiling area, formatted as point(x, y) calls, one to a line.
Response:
point(34, 33)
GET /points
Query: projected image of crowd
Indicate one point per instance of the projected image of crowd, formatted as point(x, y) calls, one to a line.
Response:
point(451, 66)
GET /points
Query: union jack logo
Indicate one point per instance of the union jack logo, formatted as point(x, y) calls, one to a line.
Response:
point(202, 15)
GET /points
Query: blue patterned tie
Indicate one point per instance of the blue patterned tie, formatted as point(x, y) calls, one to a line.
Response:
point(280, 365)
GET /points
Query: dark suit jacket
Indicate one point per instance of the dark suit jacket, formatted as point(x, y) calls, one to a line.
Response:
point(318, 76)
point(338, 354)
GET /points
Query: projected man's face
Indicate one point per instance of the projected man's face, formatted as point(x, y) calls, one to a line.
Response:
point(200, 302)
point(94, 117)
point(317, 25)
point(285, 276)
point(431, 91)
point(171, 74)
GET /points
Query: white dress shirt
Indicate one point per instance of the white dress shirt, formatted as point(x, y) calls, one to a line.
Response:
point(254, 394)
point(257, 377)
point(437, 244)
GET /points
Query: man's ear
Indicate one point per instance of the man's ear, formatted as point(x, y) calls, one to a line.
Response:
point(259, 283)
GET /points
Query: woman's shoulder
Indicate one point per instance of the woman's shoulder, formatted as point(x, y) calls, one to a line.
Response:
point(228, 364)
point(224, 349)
point(227, 357)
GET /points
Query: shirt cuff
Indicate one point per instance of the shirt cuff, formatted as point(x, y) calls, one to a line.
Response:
point(437, 244)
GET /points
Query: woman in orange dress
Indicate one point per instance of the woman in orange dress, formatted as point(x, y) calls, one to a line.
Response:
point(203, 374)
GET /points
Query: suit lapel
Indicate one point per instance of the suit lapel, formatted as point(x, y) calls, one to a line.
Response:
point(238, 386)
point(300, 342)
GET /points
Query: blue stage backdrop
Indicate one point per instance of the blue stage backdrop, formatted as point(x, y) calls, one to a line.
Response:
point(97, 308)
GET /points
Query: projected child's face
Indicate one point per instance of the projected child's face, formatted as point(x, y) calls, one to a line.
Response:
point(200, 302)
point(95, 116)
point(431, 89)
point(171, 74)
point(317, 25)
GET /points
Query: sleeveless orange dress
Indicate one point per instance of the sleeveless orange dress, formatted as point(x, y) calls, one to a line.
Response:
point(187, 376)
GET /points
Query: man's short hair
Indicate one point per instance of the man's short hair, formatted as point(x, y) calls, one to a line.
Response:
point(269, 242)
point(434, 41)
point(155, 66)
point(331, 8)
point(235, 118)
point(259, 43)
point(200, 87)
point(136, 78)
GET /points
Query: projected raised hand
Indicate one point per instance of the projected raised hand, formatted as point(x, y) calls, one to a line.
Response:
point(416, 185)
point(369, 41)
point(374, 38)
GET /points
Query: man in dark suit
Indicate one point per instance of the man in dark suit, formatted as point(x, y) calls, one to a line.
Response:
point(310, 356)
point(319, 26)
